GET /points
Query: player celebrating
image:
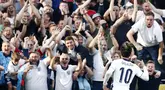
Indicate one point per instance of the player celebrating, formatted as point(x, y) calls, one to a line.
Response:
point(123, 71)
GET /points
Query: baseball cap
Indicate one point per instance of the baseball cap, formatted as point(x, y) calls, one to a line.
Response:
point(91, 12)
point(128, 5)
point(96, 15)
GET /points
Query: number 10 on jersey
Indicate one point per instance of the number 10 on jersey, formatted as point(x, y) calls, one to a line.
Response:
point(125, 75)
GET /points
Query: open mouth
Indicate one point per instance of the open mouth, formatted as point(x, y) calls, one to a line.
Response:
point(104, 48)
point(8, 34)
point(148, 10)
point(64, 63)
point(149, 24)
point(149, 71)
point(6, 49)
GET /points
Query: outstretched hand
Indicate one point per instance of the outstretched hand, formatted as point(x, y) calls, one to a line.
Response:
point(141, 64)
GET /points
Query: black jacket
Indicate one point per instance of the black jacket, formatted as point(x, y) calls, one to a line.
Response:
point(152, 84)
point(84, 53)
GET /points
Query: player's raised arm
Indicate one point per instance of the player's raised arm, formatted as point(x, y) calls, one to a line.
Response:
point(143, 75)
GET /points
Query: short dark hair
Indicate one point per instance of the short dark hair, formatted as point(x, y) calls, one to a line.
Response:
point(49, 15)
point(75, 35)
point(149, 14)
point(35, 52)
point(126, 49)
point(69, 38)
point(79, 35)
point(77, 14)
point(150, 62)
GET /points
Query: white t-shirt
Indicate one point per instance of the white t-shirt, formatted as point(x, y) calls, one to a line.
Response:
point(11, 20)
point(36, 78)
point(14, 68)
point(108, 54)
point(98, 67)
point(123, 73)
point(147, 36)
point(140, 15)
point(64, 77)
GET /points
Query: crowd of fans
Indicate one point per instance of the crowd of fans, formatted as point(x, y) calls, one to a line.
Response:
point(70, 44)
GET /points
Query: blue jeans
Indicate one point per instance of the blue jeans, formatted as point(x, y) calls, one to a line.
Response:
point(152, 52)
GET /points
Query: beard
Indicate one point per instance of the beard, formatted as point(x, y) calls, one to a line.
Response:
point(34, 62)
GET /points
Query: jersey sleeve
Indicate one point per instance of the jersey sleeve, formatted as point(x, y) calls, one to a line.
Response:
point(73, 67)
point(138, 71)
point(57, 68)
point(143, 75)
point(109, 73)
point(113, 66)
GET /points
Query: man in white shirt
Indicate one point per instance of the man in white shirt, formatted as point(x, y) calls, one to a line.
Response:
point(100, 57)
point(123, 71)
point(149, 39)
point(64, 72)
point(35, 73)
point(146, 8)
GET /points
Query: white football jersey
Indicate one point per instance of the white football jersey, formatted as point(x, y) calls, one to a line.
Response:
point(14, 68)
point(64, 78)
point(123, 72)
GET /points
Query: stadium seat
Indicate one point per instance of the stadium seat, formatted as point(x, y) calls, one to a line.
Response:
point(162, 87)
